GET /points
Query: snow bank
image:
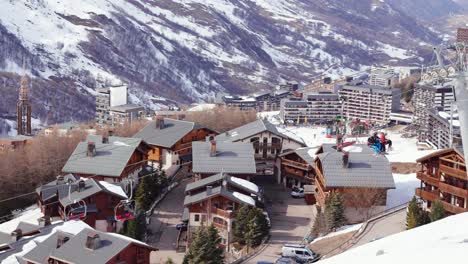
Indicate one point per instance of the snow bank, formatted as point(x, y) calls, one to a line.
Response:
point(245, 183)
point(443, 241)
point(114, 188)
point(340, 231)
point(29, 217)
point(244, 198)
point(405, 187)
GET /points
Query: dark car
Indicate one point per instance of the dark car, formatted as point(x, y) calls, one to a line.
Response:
point(181, 226)
point(286, 260)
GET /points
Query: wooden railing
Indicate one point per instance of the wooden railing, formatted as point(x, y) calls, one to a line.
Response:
point(183, 147)
point(258, 145)
point(296, 164)
point(453, 172)
point(426, 195)
point(221, 212)
point(452, 208)
point(428, 179)
point(460, 192)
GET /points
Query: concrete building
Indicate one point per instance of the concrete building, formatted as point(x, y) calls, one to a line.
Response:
point(112, 107)
point(439, 133)
point(383, 76)
point(313, 108)
point(125, 114)
point(368, 102)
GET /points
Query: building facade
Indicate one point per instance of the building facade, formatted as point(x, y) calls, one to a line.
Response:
point(383, 76)
point(369, 103)
point(313, 108)
point(23, 109)
point(297, 167)
point(443, 177)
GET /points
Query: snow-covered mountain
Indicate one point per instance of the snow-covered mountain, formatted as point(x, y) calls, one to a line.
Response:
point(429, 10)
point(187, 50)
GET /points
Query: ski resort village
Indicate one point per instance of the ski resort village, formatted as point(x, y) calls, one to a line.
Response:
point(356, 165)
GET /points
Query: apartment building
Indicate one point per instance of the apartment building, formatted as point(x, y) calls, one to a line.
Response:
point(440, 134)
point(313, 108)
point(369, 103)
point(125, 114)
point(112, 107)
point(443, 177)
point(383, 76)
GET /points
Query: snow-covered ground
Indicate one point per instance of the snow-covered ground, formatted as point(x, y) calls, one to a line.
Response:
point(29, 216)
point(405, 184)
point(341, 231)
point(444, 241)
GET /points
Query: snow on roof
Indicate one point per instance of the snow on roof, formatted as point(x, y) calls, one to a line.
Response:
point(244, 198)
point(443, 241)
point(29, 217)
point(312, 152)
point(245, 183)
point(353, 149)
point(113, 188)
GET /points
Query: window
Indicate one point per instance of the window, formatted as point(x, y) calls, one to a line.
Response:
point(197, 218)
point(299, 252)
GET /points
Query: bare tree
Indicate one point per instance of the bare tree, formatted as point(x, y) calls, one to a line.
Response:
point(222, 118)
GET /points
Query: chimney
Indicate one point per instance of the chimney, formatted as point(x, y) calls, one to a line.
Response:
point(160, 123)
point(60, 180)
point(110, 133)
point(91, 149)
point(81, 185)
point(93, 241)
point(105, 139)
point(213, 148)
point(345, 159)
point(62, 239)
point(209, 189)
point(16, 235)
point(44, 221)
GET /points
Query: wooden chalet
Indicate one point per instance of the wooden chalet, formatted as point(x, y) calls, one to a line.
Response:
point(108, 158)
point(297, 167)
point(443, 177)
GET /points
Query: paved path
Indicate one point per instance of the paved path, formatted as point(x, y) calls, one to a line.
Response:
point(386, 226)
point(166, 215)
point(291, 220)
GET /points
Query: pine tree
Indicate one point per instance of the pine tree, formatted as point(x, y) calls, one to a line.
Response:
point(320, 224)
point(143, 195)
point(136, 228)
point(169, 261)
point(240, 226)
point(413, 214)
point(335, 211)
point(437, 211)
point(205, 247)
point(254, 234)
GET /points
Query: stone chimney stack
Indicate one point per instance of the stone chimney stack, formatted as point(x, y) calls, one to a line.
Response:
point(213, 148)
point(345, 159)
point(93, 241)
point(81, 185)
point(16, 235)
point(91, 149)
point(44, 221)
point(160, 123)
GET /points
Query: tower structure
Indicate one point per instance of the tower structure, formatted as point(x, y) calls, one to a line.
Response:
point(23, 108)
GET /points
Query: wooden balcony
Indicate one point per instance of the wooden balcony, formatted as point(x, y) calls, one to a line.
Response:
point(426, 195)
point(428, 179)
point(183, 147)
point(453, 208)
point(295, 164)
point(222, 213)
point(258, 145)
point(220, 226)
point(457, 173)
point(460, 192)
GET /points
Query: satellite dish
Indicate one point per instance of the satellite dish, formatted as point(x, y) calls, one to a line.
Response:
point(434, 75)
point(451, 71)
point(426, 77)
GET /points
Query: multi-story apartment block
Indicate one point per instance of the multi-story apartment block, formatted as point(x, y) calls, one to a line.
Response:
point(443, 177)
point(112, 107)
point(385, 77)
point(263, 101)
point(462, 35)
point(440, 134)
point(368, 102)
point(125, 114)
point(313, 108)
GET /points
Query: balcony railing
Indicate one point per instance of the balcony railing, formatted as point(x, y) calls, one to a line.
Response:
point(296, 164)
point(453, 172)
point(446, 188)
point(453, 208)
point(222, 213)
point(426, 195)
point(428, 179)
point(258, 145)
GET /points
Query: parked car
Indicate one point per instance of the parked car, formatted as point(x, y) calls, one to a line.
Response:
point(181, 226)
point(286, 260)
point(300, 252)
point(298, 193)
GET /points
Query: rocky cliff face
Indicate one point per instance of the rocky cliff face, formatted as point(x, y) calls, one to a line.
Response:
point(187, 50)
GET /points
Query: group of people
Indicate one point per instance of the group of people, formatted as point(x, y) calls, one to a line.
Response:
point(378, 142)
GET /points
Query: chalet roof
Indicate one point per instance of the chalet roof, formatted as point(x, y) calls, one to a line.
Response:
point(110, 159)
point(218, 178)
point(307, 154)
point(219, 191)
point(442, 152)
point(173, 131)
point(355, 148)
point(68, 192)
point(75, 251)
point(363, 171)
point(235, 158)
point(256, 127)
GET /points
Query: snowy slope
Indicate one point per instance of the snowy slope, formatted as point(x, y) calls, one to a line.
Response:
point(444, 241)
point(187, 49)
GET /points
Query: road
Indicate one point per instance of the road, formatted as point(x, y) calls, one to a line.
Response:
point(166, 215)
point(389, 225)
point(290, 218)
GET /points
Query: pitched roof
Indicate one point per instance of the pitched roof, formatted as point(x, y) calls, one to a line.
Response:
point(256, 127)
point(68, 192)
point(364, 170)
point(233, 196)
point(173, 131)
point(218, 178)
point(438, 153)
point(235, 158)
point(307, 154)
point(110, 159)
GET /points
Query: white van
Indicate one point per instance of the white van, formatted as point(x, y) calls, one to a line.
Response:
point(300, 252)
